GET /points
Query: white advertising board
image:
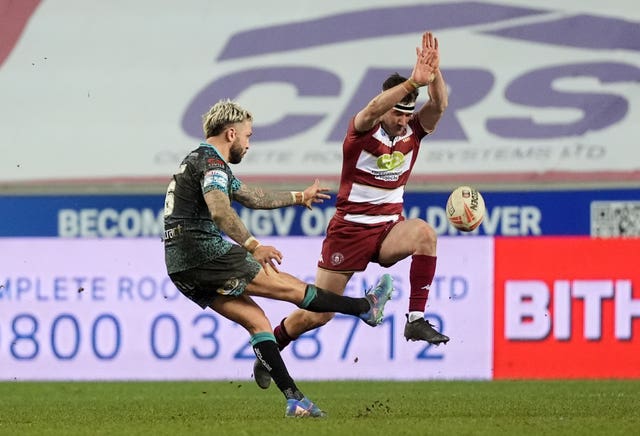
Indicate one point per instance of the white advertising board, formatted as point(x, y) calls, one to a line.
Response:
point(95, 90)
point(90, 309)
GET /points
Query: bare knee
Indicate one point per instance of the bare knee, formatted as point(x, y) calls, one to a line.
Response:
point(426, 239)
point(257, 325)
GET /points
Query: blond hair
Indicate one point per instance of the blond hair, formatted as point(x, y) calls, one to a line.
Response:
point(221, 114)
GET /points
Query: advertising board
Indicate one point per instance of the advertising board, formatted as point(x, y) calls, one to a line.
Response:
point(567, 308)
point(88, 309)
point(596, 212)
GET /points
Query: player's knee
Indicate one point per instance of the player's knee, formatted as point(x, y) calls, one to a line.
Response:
point(257, 325)
point(426, 237)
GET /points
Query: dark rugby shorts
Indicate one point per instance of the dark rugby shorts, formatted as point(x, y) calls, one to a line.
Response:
point(226, 275)
point(351, 246)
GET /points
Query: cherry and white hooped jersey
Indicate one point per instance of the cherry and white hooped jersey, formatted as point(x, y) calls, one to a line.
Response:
point(375, 170)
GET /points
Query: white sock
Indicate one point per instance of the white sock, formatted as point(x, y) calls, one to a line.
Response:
point(415, 315)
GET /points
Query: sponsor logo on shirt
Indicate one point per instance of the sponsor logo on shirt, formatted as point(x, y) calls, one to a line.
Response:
point(216, 179)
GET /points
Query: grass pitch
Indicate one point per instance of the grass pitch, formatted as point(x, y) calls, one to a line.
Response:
point(354, 408)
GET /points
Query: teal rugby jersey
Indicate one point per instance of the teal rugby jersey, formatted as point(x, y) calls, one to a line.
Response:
point(190, 235)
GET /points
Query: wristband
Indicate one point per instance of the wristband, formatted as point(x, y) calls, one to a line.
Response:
point(297, 197)
point(413, 83)
point(407, 87)
point(251, 244)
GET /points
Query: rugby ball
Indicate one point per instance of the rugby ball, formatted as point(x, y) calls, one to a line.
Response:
point(465, 208)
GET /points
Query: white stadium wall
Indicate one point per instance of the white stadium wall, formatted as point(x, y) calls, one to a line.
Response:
point(99, 91)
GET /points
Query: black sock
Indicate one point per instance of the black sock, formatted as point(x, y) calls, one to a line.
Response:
point(266, 350)
point(318, 300)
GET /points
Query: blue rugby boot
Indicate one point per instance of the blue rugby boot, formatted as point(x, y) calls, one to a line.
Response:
point(303, 409)
point(378, 297)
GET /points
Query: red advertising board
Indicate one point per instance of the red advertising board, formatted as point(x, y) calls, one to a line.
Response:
point(567, 308)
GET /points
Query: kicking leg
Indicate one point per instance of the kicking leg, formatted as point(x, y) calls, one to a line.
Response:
point(285, 287)
point(301, 321)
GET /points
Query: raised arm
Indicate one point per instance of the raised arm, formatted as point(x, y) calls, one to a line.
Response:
point(431, 112)
point(424, 72)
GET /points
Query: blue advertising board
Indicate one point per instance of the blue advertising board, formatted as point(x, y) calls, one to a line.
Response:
point(603, 212)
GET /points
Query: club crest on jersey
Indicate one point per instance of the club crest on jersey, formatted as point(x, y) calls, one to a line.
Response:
point(390, 161)
point(337, 258)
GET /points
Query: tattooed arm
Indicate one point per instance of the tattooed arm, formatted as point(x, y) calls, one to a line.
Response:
point(225, 216)
point(258, 198)
point(230, 223)
point(254, 197)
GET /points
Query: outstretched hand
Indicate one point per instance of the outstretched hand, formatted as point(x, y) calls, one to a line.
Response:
point(315, 194)
point(428, 60)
